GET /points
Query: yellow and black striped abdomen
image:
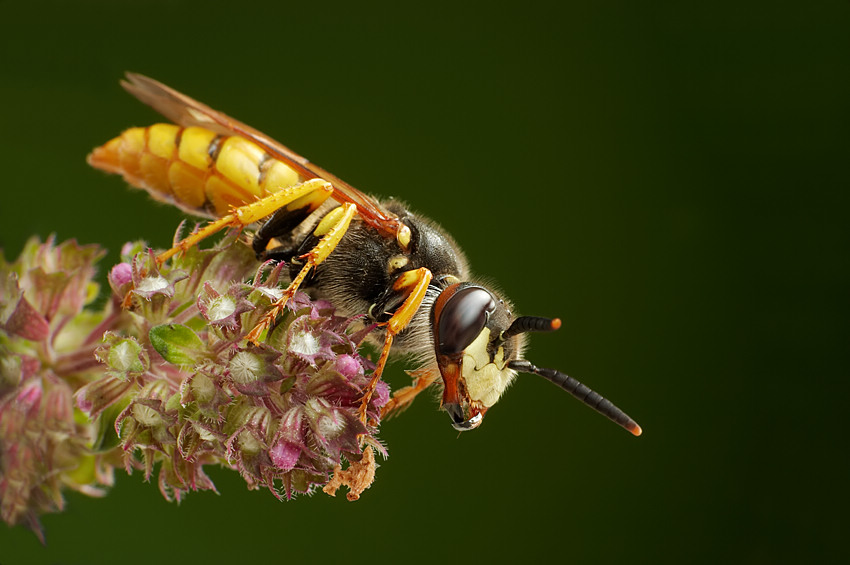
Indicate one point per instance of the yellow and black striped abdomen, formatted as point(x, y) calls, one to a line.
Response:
point(194, 168)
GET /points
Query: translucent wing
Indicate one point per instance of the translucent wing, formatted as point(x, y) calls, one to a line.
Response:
point(186, 112)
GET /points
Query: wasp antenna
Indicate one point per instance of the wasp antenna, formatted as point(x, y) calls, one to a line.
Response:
point(525, 324)
point(581, 392)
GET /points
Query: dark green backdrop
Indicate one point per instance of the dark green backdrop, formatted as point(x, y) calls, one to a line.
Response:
point(669, 179)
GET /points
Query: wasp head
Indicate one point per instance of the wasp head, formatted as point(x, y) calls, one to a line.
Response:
point(479, 346)
point(473, 351)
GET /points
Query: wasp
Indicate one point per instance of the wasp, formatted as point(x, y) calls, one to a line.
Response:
point(366, 256)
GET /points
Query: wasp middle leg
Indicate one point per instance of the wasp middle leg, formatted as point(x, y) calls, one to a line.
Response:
point(331, 229)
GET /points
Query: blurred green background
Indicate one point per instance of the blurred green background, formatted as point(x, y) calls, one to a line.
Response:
point(671, 179)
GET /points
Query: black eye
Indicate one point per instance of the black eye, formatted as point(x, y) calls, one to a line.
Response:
point(462, 319)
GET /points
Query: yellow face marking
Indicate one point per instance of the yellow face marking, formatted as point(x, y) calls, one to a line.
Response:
point(485, 380)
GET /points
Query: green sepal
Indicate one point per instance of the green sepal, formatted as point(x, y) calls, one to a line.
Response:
point(177, 343)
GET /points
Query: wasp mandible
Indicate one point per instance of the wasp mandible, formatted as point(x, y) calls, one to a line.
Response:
point(365, 256)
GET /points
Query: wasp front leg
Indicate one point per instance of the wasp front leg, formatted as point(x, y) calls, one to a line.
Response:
point(331, 229)
point(413, 284)
point(308, 191)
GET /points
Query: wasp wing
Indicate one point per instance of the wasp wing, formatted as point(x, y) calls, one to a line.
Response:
point(186, 111)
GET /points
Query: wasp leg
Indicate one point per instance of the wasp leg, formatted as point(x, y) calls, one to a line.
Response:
point(279, 254)
point(253, 212)
point(404, 397)
point(283, 221)
point(414, 284)
point(332, 227)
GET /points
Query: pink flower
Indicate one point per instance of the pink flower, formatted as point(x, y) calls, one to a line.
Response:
point(168, 380)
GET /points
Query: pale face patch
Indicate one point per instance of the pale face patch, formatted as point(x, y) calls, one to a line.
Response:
point(486, 379)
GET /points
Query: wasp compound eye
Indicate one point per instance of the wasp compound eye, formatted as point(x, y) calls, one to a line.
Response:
point(462, 318)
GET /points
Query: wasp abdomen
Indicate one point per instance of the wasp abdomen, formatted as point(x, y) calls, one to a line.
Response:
point(195, 168)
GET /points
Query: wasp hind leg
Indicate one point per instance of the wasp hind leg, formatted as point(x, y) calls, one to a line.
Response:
point(289, 198)
point(282, 223)
point(331, 229)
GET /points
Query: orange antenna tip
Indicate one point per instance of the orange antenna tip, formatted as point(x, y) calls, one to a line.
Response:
point(556, 323)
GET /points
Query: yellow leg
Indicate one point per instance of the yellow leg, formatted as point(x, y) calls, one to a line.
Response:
point(415, 284)
point(249, 214)
point(332, 227)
